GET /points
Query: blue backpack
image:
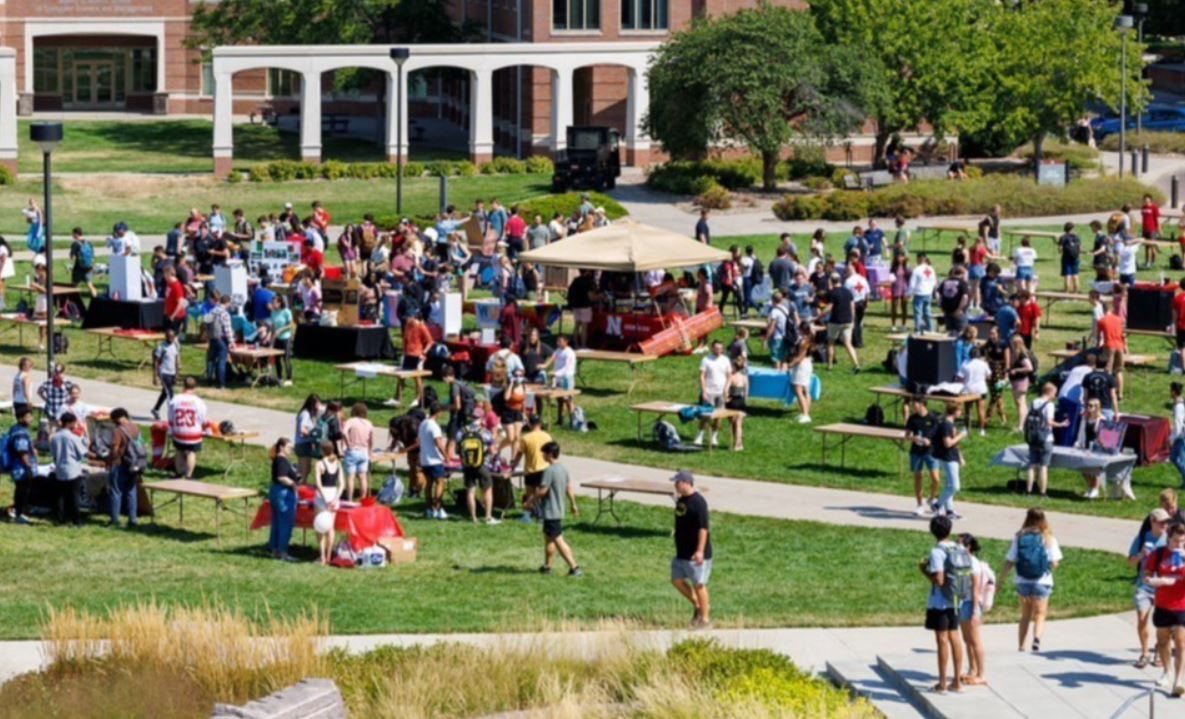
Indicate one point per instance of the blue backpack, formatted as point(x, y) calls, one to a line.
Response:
point(86, 255)
point(1032, 560)
point(8, 458)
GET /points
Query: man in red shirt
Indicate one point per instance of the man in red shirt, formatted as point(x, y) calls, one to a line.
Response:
point(176, 303)
point(1113, 344)
point(1179, 316)
point(1029, 312)
point(1165, 570)
point(1149, 228)
point(516, 229)
point(416, 341)
point(321, 218)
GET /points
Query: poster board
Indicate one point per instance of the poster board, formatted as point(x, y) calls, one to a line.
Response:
point(275, 256)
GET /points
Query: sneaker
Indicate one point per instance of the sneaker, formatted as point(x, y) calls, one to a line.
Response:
point(491, 522)
point(804, 419)
point(545, 570)
point(286, 383)
point(982, 432)
point(577, 572)
point(391, 403)
point(156, 414)
point(1179, 691)
point(441, 514)
point(1127, 493)
point(12, 512)
point(1164, 681)
point(415, 403)
point(954, 515)
point(715, 440)
point(855, 370)
point(921, 511)
point(699, 440)
point(933, 505)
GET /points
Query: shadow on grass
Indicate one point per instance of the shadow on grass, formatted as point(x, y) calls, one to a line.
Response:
point(496, 569)
point(182, 139)
point(871, 512)
point(163, 529)
point(848, 470)
point(622, 532)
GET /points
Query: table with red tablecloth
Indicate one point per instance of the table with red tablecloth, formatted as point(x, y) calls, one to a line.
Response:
point(1148, 436)
point(363, 525)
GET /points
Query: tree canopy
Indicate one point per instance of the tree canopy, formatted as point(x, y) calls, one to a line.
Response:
point(759, 78)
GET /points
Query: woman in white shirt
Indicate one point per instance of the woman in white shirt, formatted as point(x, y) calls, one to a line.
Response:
point(1024, 258)
point(1127, 251)
point(7, 267)
point(1177, 453)
point(971, 612)
point(975, 374)
point(1035, 555)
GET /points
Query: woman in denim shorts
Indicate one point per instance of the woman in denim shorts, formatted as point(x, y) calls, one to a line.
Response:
point(1033, 548)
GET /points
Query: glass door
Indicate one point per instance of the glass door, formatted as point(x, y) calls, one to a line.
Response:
point(94, 84)
point(104, 83)
point(83, 83)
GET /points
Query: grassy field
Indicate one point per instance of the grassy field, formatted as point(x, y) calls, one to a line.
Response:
point(184, 146)
point(481, 578)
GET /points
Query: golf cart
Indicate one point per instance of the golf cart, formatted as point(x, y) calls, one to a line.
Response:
point(592, 160)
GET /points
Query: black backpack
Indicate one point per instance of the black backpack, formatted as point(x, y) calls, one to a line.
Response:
point(757, 273)
point(874, 416)
point(1036, 425)
point(1176, 263)
point(1073, 246)
point(890, 363)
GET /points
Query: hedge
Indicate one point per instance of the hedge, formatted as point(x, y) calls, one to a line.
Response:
point(286, 170)
point(6, 177)
point(1019, 195)
point(685, 177)
point(1080, 157)
point(714, 198)
point(1158, 142)
point(545, 205)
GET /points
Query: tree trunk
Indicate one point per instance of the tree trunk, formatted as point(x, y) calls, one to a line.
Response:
point(1038, 145)
point(769, 170)
point(882, 144)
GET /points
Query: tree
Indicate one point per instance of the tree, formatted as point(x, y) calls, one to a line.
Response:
point(758, 77)
point(934, 58)
point(1055, 57)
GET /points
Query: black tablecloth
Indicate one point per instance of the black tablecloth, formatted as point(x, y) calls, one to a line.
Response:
point(105, 312)
point(343, 344)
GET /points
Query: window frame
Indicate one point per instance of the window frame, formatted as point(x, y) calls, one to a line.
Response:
point(660, 14)
point(585, 7)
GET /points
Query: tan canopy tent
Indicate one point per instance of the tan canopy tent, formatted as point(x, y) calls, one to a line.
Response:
point(625, 247)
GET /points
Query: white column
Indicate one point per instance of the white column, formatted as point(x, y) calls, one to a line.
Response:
point(310, 116)
point(223, 122)
point(160, 63)
point(481, 115)
point(637, 142)
point(561, 108)
point(396, 111)
point(8, 108)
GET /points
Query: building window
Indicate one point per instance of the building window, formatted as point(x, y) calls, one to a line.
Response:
point(45, 70)
point(576, 14)
point(644, 14)
point(282, 83)
point(207, 88)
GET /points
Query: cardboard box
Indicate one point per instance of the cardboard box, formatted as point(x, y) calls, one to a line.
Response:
point(400, 550)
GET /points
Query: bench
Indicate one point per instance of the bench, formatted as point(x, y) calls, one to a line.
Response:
point(847, 431)
point(1129, 360)
point(924, 231)
point(1051, 298)
point(633, 359)
point(218, 493)
point(613, 485)
point(661, 409)
point(363, 371)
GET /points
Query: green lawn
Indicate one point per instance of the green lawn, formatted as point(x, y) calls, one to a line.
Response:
point(481, 578)
point(184, 146)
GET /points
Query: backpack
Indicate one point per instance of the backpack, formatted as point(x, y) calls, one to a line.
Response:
point(468, 399)
point(1036, 425)
point(472, 449)
point(756, 273)
point(318, 434)
point(1032, 559)
point(874, 416)
point(430, 397)
point(956, 574)
point(135, 458)
point(1115, 221)
point(8, 459)
point(516, 287)
point(666, 436)
point(1176, 263)
point(499, 371)
point(86, 255)
point(890, 363)
point(1073, 246)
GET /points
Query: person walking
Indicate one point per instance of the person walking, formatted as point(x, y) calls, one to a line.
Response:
point(946, 451)
point(126, 463)
point(922, 430)
point(1143, 546)
point(692, 566)
point(553, 489)
point(187, 422)
point(1035, 555)
point(840, 319)
point(282, 498)
point(166, 361)
point(802, 368)
point(68, 452)
point(1165, 568)
point(939, 567)
point(530, 452)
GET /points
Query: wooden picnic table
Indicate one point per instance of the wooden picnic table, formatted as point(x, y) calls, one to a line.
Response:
point(847, 431)
point(253, 358)
point(900, 395)
point(1129, 360)
point(220, 494)
point(106, 337)
point(20, 321)
point(924, 230)
point(756, 325)
point(543, 392)
point(613, 485)
point(238, 438)
point(58, 290)
point(664, 408)
point(1052, 297)
point(364, 370)
point(633, 359)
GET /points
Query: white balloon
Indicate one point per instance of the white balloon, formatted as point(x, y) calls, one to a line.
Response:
point(323, 522)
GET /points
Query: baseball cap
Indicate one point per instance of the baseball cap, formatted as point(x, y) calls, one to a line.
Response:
point(1159, 515)
point(287, 205)
point(683, 476)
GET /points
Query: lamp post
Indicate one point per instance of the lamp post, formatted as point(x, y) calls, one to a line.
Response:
point(399, 55)
point(1123, 23)
point(1140, 10)
point(47, 135)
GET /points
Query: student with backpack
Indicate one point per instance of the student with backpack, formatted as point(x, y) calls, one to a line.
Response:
point(1038, 426)
point(1070, 247)
point(126, 464)
point(1145, 544)
point(948, 569)
point(20, 461)
point(82, 252)
point(1035, 554)
point(476, 447)
point(981, 599)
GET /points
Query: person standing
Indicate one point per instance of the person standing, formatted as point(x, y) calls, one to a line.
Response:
point(692, 566)
point(327, 477)
point(946, 451)
point(416, 342)
point(282, 498)
point(1177, 453)
point(358, 436)
point(1028, 312)
point(942, 616)
point(126, 463)
point(857, 284)
point(476, 448)
point(550, 495)
point(530, 452)
point(68, 452)
point(220, 335)
point(1166, 572)
point(516, 230)
point(1038, 426)
point(54, 392)
point(166, 361)
point(842, 314)
point(802, 367)
point(1035, 554)
point(23, 463)
point(1114, 345)
point(703, 233)
point(922, 430)
point(187, 421)
point(176, 300)
point(983, 588)
point(22, 386)
point(922, 282)
point(775, 331)
point(714, 370)
point(1143, 546)
point(954, 295)
point(432, 449)
point(1150, 229)
point(1070, 247)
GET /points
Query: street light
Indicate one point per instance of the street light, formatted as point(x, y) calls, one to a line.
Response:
point(399, 55)
point(1123, 23)
point(47, 135)
point(1140, 10)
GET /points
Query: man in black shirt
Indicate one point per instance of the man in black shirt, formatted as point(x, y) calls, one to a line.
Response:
point(842, 305)
point(580, 297)
point(1100, 385)
point(702, 232)
point(781, 270)
point(953, 295)
point(922, 429)
point(692, 565)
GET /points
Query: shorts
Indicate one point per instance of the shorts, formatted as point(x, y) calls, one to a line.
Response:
point(1180, 338)
point(1113, 359)
point(777, 350)
point(955, 323)
point(532, 479)
point(1024, 273)
point(78, 275)
point(715, 401)
point(803, 371)
point(1149, 233)
point(1127, 279)
point(434, 472)
point(194, 447)
point(356, 461)
point(1069, 268)
point(688, 571)
point(582, 315)
point(969, 611)
point(565, 383)
point(976, 272)
point(477, 477)
point(942, 620)
point(1040, 455)
point(410, 363)
point(920, 462)
point(840, 332)
point(1165, 618)
point(1144, 601)
point(553, 528)
point(1033, 590)
point(19, 408)
point(511, 416)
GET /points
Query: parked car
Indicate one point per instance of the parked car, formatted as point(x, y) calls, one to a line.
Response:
point(1157, 118)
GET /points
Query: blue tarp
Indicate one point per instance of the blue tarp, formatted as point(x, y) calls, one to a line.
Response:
point(766, 383)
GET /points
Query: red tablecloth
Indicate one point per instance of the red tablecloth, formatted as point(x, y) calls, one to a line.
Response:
point(1148, 436)
point(363, 526)
point(479, 355)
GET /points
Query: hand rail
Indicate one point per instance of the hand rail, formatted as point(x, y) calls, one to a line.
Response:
point(1150, 692)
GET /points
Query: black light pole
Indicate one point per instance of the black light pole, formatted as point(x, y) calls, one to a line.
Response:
point(1123, 23)
point(47, 135)
point(1140, 10)
point(399, 55)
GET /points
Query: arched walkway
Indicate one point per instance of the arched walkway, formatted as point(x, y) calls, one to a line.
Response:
point(480, 61)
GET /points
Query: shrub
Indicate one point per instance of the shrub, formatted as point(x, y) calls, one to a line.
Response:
point(974, 172)
point(508, 166)
point(818, 184)
point(440, 168)
point(464, 168)
point(364, 170)
point(701, 184)
point(845, 205)
point(1080, 157)
point(282, 170)
point(1158, 142)
point(334, 170)
point(539, 165)
point(413, 169)
point(233, 177)
point(488, 168)
point(307, 170)
point(839, 177)
point(259, 173)
point(685, 178)
point(566, 203)
point(714, 198)
point(6, 177)
point(798, 207)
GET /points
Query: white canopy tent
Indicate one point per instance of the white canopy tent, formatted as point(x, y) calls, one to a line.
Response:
point(625, 247)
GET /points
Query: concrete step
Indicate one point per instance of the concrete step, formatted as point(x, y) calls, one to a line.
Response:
point(1071, 684)
point(863, 679)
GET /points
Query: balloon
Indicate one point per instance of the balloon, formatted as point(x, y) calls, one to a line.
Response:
point(323, 522)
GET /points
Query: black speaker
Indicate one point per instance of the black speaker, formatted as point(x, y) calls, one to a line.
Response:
point(930, 360)
point(1149, 309)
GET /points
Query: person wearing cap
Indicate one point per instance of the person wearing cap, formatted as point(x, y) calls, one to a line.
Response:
point(69, 452)
point(1144, 544)
point(530, 451)
point(692, 566)
point(549, 497)
point(287, 215)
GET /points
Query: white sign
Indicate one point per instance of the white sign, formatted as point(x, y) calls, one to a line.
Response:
point(125, 278)
point(275, 256)
point(231, 279)
point(452, 314)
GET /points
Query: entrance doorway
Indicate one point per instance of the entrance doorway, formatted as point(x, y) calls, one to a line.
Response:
point(94, 84)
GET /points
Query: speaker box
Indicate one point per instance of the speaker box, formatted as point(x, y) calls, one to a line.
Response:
point(1149, 309)
point(930, 360)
